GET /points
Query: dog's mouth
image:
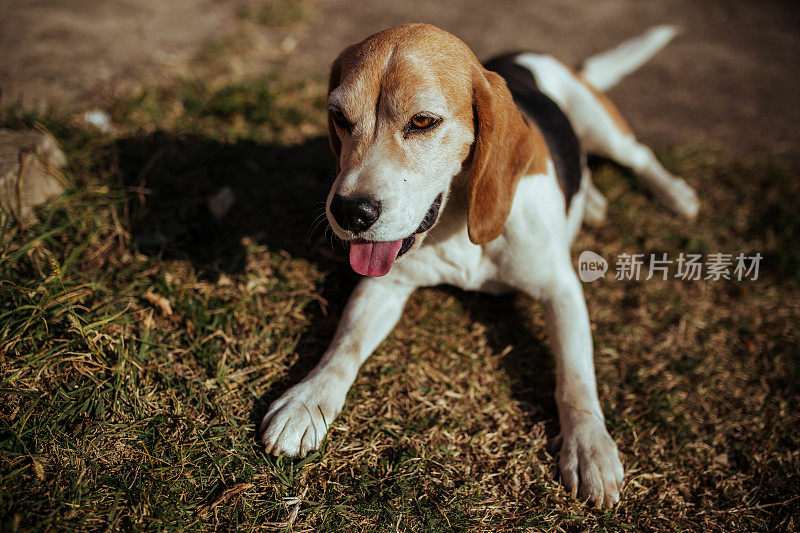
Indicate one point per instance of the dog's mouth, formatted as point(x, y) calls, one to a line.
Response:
point(375, 258)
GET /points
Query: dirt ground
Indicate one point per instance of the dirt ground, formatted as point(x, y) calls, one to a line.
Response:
point(729, 83)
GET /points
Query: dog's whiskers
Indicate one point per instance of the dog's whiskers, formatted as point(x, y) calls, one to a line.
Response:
point(329, 236)
point(315, 225)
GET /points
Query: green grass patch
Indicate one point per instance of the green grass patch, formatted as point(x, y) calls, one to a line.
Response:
point(141, 340)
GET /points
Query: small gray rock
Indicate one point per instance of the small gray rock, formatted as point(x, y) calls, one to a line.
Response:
point(30, 163)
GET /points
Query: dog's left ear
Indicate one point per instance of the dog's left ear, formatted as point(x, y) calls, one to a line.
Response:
point(504, 148)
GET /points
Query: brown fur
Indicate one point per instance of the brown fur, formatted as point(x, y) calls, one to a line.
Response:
point(504, 149)
point(541, 154)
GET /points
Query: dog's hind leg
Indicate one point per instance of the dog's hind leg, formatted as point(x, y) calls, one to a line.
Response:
point(603, 131)
point(588, 207)
point(594, 213)
point(607, 134)
point(602, 128)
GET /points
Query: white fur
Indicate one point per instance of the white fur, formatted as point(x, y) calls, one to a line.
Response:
point(532, 255)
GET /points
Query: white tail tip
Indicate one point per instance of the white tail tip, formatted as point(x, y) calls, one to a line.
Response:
point(606, 69)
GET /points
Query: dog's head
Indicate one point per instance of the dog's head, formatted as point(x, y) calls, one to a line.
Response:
point(410, 109)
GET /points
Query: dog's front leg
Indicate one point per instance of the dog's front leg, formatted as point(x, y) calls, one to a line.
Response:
point(297, 421)
point(588, 460)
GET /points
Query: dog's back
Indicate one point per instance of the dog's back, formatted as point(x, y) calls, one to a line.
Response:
point(565, 150)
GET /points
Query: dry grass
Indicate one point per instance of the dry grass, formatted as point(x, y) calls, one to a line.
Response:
point(141, 341)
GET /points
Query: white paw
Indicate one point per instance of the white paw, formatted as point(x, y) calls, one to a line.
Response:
point(682, 198)
point(296, 423)
point(589, 462)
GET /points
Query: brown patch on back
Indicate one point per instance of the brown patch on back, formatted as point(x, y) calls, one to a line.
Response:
point(541, 154)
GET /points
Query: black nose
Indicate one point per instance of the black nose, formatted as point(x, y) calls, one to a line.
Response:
point(355, 214)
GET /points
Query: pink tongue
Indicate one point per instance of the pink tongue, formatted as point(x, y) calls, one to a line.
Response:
point(373, 258)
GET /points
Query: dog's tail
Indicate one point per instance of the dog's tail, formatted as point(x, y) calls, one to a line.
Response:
point(607, 68)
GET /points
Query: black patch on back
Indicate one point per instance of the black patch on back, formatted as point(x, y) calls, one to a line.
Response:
point(565, 150)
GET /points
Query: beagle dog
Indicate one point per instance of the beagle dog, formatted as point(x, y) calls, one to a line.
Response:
point(489, 161)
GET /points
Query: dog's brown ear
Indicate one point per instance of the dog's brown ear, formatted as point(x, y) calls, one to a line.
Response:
point(504, 148)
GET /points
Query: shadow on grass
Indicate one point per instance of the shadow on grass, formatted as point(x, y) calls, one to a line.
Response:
point(278, 194)
point(529, 364)
point(278, 191)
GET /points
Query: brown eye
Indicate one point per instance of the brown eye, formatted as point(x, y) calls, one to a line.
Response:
point(339, 118)
point(422, 123)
